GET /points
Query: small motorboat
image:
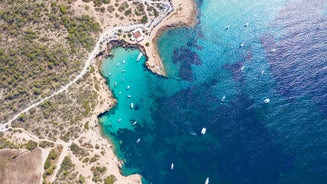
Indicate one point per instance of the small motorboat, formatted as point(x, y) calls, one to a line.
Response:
point(246, 24)
point(227, 27)
point(207, 181)
point(203, 131)
point(139, 56)
point(132, 105)
point(129, 96)
point(267, 100)
point(138, 140)
point(128, 87)
point(172, 166)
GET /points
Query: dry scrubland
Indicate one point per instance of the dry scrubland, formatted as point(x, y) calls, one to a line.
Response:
point(43, 45)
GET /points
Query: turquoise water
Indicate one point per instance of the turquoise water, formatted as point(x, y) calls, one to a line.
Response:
point(214, 83)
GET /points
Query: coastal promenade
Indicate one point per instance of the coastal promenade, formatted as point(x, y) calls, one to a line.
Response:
point(108, 35)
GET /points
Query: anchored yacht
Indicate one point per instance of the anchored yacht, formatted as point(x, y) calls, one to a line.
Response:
point(203, 131)
point(267, 100)
point(207, 181)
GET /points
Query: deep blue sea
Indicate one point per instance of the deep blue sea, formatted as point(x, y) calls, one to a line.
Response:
point(253, 73)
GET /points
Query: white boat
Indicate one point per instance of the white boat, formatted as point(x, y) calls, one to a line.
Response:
point(122, 71)
point(128, 87)
point(267, 100)
point(246, 24)
point(223, 98)
point(119, 120)
point(227, 27)
point(203, 131)
point(242, 68)
point(117, 64)
point(262, 71)
point(124, 61)
point(138, 140)
point(119, 92)
point(132, 105)
point(115, 84)
point(272, 50)
point(134, 123)
point(241, 45)
point(172, 166)
point(109, 74)
point(139, 56)
point(207, 181)
point(129, 96)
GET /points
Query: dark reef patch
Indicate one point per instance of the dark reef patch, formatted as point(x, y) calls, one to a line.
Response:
point(185, 57)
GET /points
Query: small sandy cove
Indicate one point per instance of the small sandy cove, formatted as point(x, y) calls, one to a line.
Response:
point(184, 14)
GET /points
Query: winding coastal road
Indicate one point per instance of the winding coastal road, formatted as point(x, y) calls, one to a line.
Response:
point(107, 36)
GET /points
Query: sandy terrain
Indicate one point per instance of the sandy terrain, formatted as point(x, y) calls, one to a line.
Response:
point(21, 166)
point(184, 14)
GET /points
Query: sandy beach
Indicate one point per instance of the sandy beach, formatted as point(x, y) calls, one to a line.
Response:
point(184, 15)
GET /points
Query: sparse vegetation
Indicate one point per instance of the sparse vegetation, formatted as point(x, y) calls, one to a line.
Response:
point(110, 179)
point(31, 145)
point(40, 48)
point(144, 19)
point(46, 144)
point(5, 143)
point(97, 173)
point(65, 173)
point(78, 151)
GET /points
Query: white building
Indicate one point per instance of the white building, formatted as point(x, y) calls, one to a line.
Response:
point(137, 35)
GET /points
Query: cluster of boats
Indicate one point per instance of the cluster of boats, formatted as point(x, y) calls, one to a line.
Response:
point(203, 130)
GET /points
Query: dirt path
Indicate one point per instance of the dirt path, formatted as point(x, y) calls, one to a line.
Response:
point(107, 35)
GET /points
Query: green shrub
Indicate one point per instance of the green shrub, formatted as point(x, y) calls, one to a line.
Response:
point(110, 179)
point(31, 145)
point(144, 19)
